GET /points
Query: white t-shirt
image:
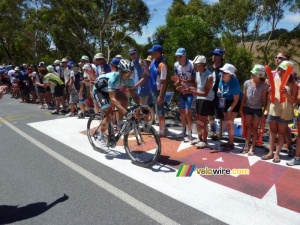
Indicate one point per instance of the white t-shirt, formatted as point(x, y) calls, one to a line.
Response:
point(163, 76)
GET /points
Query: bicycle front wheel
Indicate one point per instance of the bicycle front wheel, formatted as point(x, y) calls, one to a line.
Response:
point(142, 144)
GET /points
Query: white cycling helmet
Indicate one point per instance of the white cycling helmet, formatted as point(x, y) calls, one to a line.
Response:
point(125, 66)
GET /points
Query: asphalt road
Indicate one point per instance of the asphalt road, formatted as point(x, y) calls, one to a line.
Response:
point(45, 182)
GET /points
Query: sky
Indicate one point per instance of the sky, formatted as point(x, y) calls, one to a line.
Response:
point(158, 19)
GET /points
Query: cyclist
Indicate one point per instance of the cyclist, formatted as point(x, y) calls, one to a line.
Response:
point(107, 94)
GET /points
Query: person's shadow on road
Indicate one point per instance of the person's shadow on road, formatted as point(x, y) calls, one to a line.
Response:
point(11, 214)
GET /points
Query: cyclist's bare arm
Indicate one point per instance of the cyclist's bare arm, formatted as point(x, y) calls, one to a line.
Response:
point(135, 98)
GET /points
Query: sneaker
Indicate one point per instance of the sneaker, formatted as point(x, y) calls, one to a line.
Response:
point(54, 112)
point(293, 162)
point(81, 116)
point(87, 113)
point(196, 141)
point(188, 138)
point(102, 145)
point(70, 114)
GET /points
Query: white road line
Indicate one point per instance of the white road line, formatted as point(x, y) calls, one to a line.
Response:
point(138, 205)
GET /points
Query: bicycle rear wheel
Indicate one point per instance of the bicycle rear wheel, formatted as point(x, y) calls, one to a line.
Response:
point(93, 132)
point(143, 145)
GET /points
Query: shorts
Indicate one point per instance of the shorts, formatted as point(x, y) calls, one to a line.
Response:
point(59, 90)
point(102, 99)
point(48, 89)
point(218, 112)
point(252, 112)
point(277, 119)
point(204, 107)
point(159, 109)
point(74, 96)
point(186, 101)
point(228, 103)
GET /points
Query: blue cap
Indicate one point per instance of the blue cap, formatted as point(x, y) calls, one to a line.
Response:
point(180, 51)
point(156, 48)
point(70, 63)
point(115, 61)
point(217, 51)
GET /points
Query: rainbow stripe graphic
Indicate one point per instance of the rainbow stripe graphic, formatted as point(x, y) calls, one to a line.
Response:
point(186, 170)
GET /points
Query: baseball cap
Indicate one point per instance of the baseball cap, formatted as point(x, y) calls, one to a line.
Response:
point(217, 51)
point(156, 48)
point(180, 51)
point(99, 56)
point(17, 69)
point(199, 59)
point(84, 58)
point(64, 60)
point(285, 64)
point(132, 50)
point(259, 70)
point(119, 56)
point(87, 67)
point(228, 68)
point(115, 61)
point(40, 64)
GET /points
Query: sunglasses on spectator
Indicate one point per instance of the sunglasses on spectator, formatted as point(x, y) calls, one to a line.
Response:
point(99, 59)
point(198, 64)
point(224, 72)
point(133, 53)
point(179, 56)
point(280, 57)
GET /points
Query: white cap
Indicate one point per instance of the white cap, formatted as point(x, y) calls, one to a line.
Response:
point(228, 68)
point(199, 59)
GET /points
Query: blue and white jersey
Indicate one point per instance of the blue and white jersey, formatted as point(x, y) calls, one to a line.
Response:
point(185, 73)
point(111, 81)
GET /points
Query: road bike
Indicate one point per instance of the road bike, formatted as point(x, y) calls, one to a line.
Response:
point(140, 139)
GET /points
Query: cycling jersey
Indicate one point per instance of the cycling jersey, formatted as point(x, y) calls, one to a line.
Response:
point(111, 81)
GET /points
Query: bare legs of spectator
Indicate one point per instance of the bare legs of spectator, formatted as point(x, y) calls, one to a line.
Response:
point(229, 120)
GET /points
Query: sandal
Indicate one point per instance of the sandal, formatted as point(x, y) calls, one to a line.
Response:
point(251, 153)
point(201, 145)
point(244, 151)
point(267, 157)
point(276, 159)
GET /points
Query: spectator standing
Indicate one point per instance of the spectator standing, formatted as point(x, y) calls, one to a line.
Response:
point(281, 113)
point(229, 94)
point(217, 58)
point(101, 66)
point(254, 101)
point(184, 69)
point(204, 94)
point(158, 84)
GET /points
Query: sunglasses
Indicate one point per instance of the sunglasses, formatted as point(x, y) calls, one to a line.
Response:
point(280, 57)
point(132, 54)
point(99, 59)
point(179, 56)
point(198, 64)
point(224, 72)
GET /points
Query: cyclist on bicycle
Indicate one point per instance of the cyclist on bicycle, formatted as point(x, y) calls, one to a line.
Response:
point(107, 94)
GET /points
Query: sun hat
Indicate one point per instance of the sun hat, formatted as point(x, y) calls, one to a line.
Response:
point(99, 56)
point(84, 58)
point(149, 58)
point(119, 56)
point(217, 51)
point(64, 60)
point(50, 68)
point(156, 48)
point(180, 51)
point(199, 59)
point(259, 70)
point(285, 64)
point(228, 68)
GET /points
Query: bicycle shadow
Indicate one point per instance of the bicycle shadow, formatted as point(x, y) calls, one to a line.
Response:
point(12, 214)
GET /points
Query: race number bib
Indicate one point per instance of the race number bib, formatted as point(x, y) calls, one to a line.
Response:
point(221, 103)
